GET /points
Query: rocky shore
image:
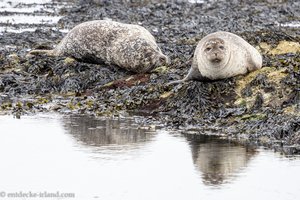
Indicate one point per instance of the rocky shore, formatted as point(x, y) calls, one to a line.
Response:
point(260, 108)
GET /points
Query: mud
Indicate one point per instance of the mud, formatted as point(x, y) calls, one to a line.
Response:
point(261, 107)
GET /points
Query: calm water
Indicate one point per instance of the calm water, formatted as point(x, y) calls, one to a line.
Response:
point(113, 159)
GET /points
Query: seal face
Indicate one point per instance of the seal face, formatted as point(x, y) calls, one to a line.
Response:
point(128, 46)
point(222, 55)
point(215, 51)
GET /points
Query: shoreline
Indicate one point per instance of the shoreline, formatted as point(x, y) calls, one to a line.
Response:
point(262, 107)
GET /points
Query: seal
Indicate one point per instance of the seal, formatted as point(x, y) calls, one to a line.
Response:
point(222, 55)
point(128, 46)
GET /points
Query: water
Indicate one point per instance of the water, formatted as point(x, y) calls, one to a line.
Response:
point(20, 19)
point(196, 1)
point(293, 24)
point(28, 15)
point(115, 159)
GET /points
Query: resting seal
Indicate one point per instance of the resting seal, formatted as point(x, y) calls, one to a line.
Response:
point(222, 55)
point(128, 46)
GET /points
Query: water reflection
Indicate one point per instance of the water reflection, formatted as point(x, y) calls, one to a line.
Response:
point(107, 132)
point(114, 159)
point(218, 160)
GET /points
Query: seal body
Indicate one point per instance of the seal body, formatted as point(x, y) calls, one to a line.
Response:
point(222, 55)
point(128, 46)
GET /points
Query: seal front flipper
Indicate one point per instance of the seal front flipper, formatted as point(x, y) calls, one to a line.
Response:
point(254, 61)
point(194, 74)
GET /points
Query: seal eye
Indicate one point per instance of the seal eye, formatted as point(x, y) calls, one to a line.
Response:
point(208, 49)
point(221, 47)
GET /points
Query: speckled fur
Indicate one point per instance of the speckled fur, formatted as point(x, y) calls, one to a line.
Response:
point(128, 46)
point(240, 58)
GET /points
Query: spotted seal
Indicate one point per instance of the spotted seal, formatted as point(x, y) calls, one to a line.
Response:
point(222, 55)
point(128, 46)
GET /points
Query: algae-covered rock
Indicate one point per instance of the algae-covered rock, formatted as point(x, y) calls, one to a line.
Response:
point(283, 47)
point(267, 82)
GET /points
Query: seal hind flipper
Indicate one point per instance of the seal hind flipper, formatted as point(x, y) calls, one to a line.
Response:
point(176, 82)
point(41, 52)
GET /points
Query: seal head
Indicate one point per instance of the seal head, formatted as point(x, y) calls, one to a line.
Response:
point(138, 55)
point(215, 51)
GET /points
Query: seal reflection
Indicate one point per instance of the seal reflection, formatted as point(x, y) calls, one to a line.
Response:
point(90, 131)
point(218, 160)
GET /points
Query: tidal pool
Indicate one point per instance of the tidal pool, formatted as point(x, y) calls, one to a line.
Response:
point(114, 159)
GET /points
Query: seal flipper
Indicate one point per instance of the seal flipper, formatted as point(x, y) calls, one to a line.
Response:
point(253, 64)
point(194, 74)
point(41, 51)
